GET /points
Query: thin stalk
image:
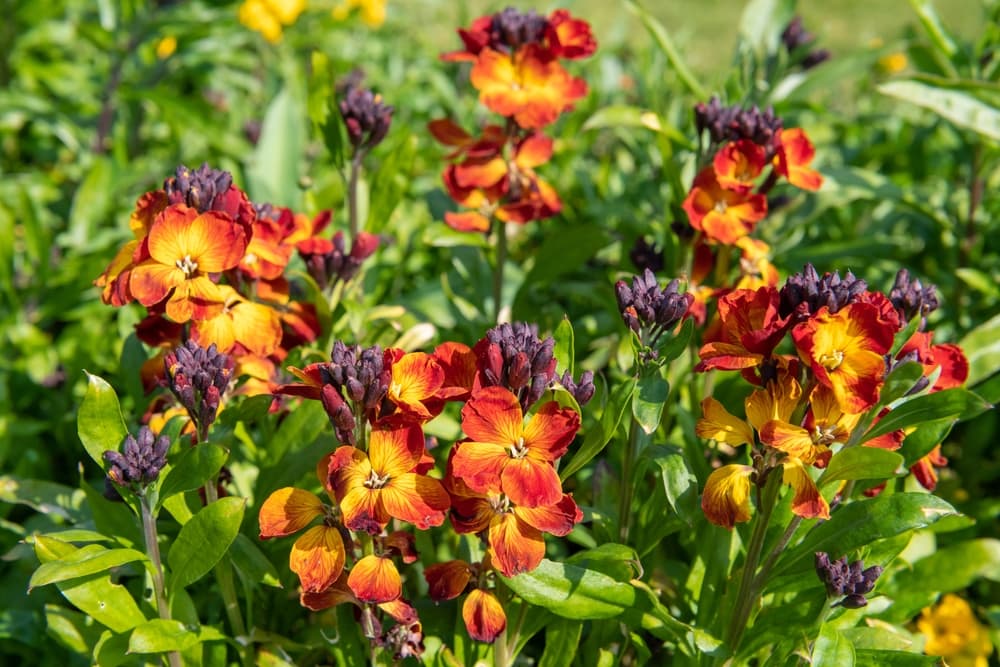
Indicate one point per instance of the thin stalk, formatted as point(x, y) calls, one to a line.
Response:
point(227, 587)
point(625, 497)
point(516, 635)
point(153, 550)
point(772, 557)
point(501, 261)
point(746, 597)
point(352, 194)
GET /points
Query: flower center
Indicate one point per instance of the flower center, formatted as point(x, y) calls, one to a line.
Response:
point(831, 361)
point(721, 206)
point(518, 450)
point(500, 504)
point(376, 481)
point(824, 435)
point(187, 265)
point(395, 389)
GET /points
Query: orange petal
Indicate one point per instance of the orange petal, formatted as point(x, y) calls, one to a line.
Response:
point(318, 558)
point(416, 377)
point(479, 464)
point(530, 483)
point(213, 240)
point(349, 468)
point(726, 499)
point(557, 519)
point(515, 546)
point(534, 151)
point(793, 440)
point(469, 221)
point(484, 616)
point(363, 510)
point(375, 579)
point(287, 511)
point(807, 502)
point(150, 281)
point(446, 581)
point(493, 415)
point(550, 431)
point(395, 451)
point(415, 498)
point(400, 610)
point(719, 425)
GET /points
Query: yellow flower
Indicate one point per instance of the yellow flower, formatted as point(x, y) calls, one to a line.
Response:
point(953, 633)
point(268, 16)
point(893, 63)
point(166, 47)
point(372, 11)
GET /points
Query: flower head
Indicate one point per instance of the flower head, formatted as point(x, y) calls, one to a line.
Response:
point(953, 632)
point(140, 461)
point(850, 580)
point(723, 215)
point(650, 310)
point(367, 118)
point(198, 377)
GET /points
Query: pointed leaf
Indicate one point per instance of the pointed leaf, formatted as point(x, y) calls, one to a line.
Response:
point(950, 403)
point(204, 539)
point(649, 398)
point(600, 434)
point(195, 467)
point(832, 648)
point(99, 422)
point(84, 561)
point(563, 351)
point(960, 108)
point(861, 463)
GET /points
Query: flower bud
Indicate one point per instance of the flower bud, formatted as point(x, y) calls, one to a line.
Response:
point(139, 463)
point(366, 117)
point(850, 580)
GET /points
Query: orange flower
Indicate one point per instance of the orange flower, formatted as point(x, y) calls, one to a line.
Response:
point(376, 487)
point(318, 556)
point(254, 326)
point(185, 248)
point(459, 364)
point(844, 351)
point(268, 252)
point(795, 152)
point(749, 330)
point(375, 579)
point(738, 164)
point(339, 592)
point(484, 616)
point(416, 380)
point(507, 455)
point(568, 37)
point(756, 269)
point(530, 86)
point(723, 215)
point(825, 425)
point(947, 356)
point(726, 499)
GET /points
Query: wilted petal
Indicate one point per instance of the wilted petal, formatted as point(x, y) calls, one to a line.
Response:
point(807, 502)
point(726, 499)
point(446, 581)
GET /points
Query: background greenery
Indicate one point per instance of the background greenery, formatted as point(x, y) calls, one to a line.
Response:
point(91, 116)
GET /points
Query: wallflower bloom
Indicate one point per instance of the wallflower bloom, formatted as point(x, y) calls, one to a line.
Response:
point(725, 216)
point(530, 86)
point(484, 616)
point(318, 556)
point(795, 153)
point(268, 16)
point(738, 164)
point(372, 11)
point(376, 487)
point(416, 380)
point(953, 633)
point(510, 456)
point(749, 330)
point(845, 352)
point(185, 248)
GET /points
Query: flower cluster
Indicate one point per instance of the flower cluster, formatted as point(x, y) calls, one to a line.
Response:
point(850, 580)
point(140, 461)
point(500, 482)
point(210, 267)
point(822, 396)
point(516, 68)
point(270, 17)
point(650, 310)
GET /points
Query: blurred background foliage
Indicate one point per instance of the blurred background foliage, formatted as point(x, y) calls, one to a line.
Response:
point(99, 101)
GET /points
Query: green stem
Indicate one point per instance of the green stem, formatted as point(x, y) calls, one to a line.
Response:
point(352, 195)
point(627, 487)
point(747, 596)
point(153, 549)
point(227, 587)
point(516, 635)
point(501, 257)
point(772, 557)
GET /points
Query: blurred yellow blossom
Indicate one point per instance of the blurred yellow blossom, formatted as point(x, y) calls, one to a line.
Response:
point(894, 62)
point(372, 11)
point(268, 16)
point(953, 633)
point(166, 47)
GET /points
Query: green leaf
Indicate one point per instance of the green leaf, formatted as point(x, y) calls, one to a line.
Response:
point(899, 381)
point(300, 428)
point(273, 169)
point(674, 345)
point(935, 29)
point(91, 204)
point(649, 398)
point(669, 49)
point(762, 22)
point(861, 463)
point(600, 434)
point(925, 438)
point(87, 560)
point(252, 564)
point(162, 635)
point(679, 482)
point(865, 657)
point(391, 180)
point(109, 604)
point(622, 115)
point(960, 108)
point(982, 348)
point(879, 636)
point(99, 422)
point(861, 522)
point(832, 648)
point(573, 592)
point(42, 496)
point(204, 539)
point(950, 569)
point(950, 403)
point(563, 351)
point(196, 466)
point(562, 638)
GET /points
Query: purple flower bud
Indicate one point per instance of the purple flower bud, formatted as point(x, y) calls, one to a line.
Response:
point(803, 294)
point(650, 310)
point(511, 29)
point(339, 413)
point(198, 377)
point(843, 579)
point(366, 117)
point(582, 391)
point(911, 298)
point(200, 189)
point(512, 356)
point(725, 124)
point(140, 461)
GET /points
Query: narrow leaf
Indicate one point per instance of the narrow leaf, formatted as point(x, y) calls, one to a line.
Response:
point(601, 433)
point(666, 44)
point(81, 563)
point(950, 403)
point(204, 539)
point(960, 108)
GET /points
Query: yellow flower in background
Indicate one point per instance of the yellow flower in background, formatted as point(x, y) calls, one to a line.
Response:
point(953, 633)
point(894, 62)
point(372, 11)
point(166, 47)
point(269, 16)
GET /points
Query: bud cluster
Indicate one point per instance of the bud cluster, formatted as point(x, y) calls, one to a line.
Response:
point(648, 309)
point(796, 37)
point(850, 580)
point(355, 374)
point(911, 298)
point(367, 118)
point(140, 461)
point(201, 189)
point(336, 264)
point(803, 294)
point(512, 356)
point(511, 29)
point(583, 390)
point(198, 377)
point(733, 123)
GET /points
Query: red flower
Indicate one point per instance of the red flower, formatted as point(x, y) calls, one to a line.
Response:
point(749, 330)
point(725, 216)
point(795, 153)
point(738, 164)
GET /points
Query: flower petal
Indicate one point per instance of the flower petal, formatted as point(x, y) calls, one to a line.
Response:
point(726, 499)
point(395, 451)
point(493, 415)
point(416, 498)
point(287, 511)
point(478, 464)
point(720, 425)
point(446, 581)
point(530, 483)
point(516, 547)
point(318, 558)
point(484, 616)
point(550, 431)
point(375, 579)
point(557, 519)
point(807, 502)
